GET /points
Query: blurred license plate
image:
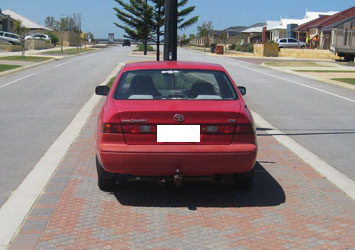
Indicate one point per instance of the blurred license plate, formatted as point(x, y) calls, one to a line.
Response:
point(178, 133)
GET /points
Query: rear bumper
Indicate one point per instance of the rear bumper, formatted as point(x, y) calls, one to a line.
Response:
point(191, 160)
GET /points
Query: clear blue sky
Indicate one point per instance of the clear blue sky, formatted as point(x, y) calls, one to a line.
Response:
point(98, 15)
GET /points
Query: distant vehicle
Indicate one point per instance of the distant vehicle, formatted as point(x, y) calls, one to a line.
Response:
point(126, 42)
point(38, 36)
point(10, 38)
point(290, 43)
point(174, 121)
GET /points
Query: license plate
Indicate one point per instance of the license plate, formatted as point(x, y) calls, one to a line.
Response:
point(178, 133)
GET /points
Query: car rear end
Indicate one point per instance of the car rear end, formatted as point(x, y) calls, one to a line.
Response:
point(175, 118)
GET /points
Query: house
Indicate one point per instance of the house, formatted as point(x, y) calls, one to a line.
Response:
point(287, 26)
point(31, 25)
point(6, 22)
point(270, 25)
point(253, 34)
point(342, 38)
point(317, 26)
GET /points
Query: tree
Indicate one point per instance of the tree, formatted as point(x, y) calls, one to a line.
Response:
point(137, 19)
point(50, 22)
point(203, 30)
point(159, 19)
point(223, 38)
point(157, 15)
point(22, 31)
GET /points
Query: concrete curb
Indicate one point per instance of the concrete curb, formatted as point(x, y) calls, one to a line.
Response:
point(40, 63)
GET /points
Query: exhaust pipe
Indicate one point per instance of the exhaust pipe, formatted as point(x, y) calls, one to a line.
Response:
point(177, 178)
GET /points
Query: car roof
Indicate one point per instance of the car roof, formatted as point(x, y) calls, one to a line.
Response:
point(172, 65)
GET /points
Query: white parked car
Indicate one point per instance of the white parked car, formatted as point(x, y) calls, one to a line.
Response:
point(39, 36)
point(10, 38)
point(290, 43)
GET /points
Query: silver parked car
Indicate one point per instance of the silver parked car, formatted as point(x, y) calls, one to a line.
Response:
point(9, 37)
point(290, 43)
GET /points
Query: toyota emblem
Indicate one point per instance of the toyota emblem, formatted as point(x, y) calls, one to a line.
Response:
point(179, 117)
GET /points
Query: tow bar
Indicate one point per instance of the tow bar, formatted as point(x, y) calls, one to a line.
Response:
point(177, 178)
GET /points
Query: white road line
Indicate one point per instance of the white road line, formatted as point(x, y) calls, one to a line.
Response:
point(60, 65)
point(300, 84)
point(19, 79)
point(340, 180)
point(16, 208)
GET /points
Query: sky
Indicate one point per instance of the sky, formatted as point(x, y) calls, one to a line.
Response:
point(98, 16)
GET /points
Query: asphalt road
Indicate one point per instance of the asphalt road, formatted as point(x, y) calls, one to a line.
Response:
point(319, 116)
point(37, 104)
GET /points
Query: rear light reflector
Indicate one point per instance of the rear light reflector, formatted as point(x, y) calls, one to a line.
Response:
point(217, 129)
point(111, 128)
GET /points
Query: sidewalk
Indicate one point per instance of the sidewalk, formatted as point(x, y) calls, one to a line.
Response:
point(290, 206)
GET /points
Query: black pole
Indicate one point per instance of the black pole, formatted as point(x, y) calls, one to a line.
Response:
point(170, 35)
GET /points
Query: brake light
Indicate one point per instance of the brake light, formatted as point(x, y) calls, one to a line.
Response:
point(217, 129)
point(139, 129)
point(111, 128)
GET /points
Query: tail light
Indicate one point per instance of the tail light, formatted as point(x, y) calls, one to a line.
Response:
point(217, 129)
point(139, 129)
point(111, 128)
point(244, 129)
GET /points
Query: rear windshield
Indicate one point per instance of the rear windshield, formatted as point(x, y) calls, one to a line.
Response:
point(175, 84)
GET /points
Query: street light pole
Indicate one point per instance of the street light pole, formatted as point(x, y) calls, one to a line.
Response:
point(170, 34)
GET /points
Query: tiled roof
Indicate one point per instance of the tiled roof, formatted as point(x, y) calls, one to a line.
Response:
point(313, 23)
point(328, 20)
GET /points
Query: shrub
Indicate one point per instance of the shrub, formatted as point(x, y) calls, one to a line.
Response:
point(249, 47)
point(232, 46)
point(54, 38)
point(140, 47)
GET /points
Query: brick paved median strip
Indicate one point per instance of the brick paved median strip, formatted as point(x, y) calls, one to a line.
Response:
point(290, 206)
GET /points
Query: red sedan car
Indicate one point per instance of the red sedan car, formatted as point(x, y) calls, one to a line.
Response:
point(174, 121)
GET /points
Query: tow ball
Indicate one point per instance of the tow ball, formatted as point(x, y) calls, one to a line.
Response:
point(177, 178)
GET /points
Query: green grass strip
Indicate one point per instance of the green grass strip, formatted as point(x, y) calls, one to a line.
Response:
point(4, 67)
point(26, 58)
point(72, 51)
point(345, 80)
point(325, 71)
point(112, 80)
point(295, 64)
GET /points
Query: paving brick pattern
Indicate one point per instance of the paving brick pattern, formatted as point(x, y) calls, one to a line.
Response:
point(290, 207)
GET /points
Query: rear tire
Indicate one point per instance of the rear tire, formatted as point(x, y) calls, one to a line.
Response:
point(244, 181)
point(106, 180)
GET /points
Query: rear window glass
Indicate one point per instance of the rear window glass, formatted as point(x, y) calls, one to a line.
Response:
point(174, 84)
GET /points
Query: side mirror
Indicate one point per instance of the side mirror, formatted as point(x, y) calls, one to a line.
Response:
point(242, 90)
point(102, 90)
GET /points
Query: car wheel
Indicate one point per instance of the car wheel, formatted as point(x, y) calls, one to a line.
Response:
point(106, 180)
point(302, 47)
point(244, 181)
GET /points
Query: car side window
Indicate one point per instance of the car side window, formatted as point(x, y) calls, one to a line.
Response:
point(1, 33)
point(283, 41)
point(7, 35)
point(292, 40)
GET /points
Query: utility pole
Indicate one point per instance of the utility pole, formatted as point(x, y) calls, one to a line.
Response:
point(170, 35)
